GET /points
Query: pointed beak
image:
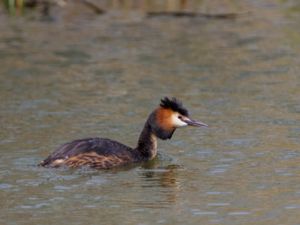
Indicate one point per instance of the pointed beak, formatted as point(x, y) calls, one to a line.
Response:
point(194, 123)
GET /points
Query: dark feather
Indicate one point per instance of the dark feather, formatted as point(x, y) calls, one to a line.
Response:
point(175, 105)
point(100, 146)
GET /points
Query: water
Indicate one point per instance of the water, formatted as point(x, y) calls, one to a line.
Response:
point(87, 75)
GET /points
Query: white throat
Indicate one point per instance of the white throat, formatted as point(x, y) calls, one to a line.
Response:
point(178, 122)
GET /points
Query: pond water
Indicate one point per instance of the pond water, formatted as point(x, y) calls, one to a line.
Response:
point(87, 75)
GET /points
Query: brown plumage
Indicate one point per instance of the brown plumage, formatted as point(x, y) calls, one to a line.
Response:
point(96, 160)
point(102, 153)
point(164, 118)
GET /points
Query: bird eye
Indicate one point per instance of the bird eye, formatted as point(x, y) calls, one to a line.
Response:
point(179, 117)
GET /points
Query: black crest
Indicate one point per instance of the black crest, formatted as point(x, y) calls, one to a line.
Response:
point(174, 104)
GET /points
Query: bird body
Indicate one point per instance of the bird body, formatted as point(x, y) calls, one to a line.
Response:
point(103, 153)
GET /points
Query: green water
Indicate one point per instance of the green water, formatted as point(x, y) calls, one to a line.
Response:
point(87, 75)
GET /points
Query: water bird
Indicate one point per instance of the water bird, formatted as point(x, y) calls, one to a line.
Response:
point(103, 153)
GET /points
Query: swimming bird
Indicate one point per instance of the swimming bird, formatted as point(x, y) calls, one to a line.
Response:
point(103, 153)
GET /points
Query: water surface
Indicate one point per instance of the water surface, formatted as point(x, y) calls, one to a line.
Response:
point(89, 75)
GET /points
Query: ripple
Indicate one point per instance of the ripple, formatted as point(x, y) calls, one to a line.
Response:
point(290, 155)
point(5, 186)
point(64, 188)
point(204, 153)
point(239, 213)
point(217, 170)
point(241, 142)
point(220, 168)
point(283, 172)
point(293, 206)
point(218, 204)
point(96, 181)
point(219, 193)
point(137, 210)
point(30, 182)
point(226, 160)
point(35, 206)
point(198, 212)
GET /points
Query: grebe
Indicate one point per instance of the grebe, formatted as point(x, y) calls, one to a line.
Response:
point(102, 153)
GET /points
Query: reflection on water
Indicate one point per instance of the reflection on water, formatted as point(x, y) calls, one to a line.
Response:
point(102, 75)
point(177, 8)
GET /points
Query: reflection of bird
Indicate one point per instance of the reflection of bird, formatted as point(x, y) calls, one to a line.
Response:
point(104, 153)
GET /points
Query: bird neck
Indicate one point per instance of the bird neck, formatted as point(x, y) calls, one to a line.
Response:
point(147, 143)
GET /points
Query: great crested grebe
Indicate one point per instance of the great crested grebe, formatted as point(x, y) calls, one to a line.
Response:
point(102, 153)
